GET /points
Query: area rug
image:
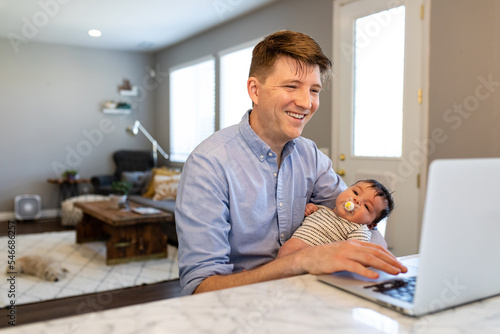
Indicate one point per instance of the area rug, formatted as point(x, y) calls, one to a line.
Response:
point(88, 272)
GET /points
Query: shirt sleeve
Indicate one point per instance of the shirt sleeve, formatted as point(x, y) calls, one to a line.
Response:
point(202, 224)
point(361, 234)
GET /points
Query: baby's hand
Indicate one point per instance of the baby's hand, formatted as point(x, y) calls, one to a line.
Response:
point(310, 208)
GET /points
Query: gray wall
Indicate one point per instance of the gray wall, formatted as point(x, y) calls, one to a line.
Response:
point(50, 102)
point(464, 54)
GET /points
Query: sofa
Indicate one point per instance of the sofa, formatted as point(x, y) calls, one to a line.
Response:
point(152, 187)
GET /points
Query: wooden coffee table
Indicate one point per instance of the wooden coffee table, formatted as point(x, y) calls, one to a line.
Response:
point(130, 236)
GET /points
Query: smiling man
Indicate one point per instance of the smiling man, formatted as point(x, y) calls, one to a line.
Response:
point(243, 191)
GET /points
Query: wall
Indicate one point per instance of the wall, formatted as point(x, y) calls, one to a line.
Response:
point(464, 78)
point(297, 15)
point(50, 102)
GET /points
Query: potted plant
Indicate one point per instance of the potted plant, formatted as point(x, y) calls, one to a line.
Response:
point(120, 191)
point(70, 175)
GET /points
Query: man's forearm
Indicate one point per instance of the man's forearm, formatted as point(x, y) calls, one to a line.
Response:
point(353, 255)
point(282, 267)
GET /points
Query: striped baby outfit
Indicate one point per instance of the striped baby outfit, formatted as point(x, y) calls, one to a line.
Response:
point(324, 226)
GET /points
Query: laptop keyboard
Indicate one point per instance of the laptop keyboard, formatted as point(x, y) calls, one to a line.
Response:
point(403, 289)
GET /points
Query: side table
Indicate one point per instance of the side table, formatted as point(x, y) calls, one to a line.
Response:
point(68, 188)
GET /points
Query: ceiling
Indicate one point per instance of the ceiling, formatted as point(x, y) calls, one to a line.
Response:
point(129, 25)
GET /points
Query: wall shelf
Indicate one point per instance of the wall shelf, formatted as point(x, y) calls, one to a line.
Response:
point(121, 107)
point(130, 92)
point(116, 111)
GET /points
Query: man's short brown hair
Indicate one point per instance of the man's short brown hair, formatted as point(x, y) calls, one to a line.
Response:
point(295, 45)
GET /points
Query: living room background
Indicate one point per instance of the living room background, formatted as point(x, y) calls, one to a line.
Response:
point(51, 96)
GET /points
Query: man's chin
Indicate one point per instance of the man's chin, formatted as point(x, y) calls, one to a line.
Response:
point(295, 132)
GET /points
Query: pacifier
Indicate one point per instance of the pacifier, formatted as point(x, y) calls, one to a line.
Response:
point(349, 206)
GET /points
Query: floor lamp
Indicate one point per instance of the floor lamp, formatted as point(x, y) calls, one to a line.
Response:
point(134, 130)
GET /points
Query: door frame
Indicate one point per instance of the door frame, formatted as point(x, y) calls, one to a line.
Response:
point(422, 166)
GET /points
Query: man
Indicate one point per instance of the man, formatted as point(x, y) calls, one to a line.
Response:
point(243, 191)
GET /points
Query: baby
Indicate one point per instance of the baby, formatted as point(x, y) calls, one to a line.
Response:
point(358, 209)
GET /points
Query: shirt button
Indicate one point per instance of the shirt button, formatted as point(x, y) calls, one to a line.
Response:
point(281, 204)
point(275, 174)
point(282, 236)
point(262, 157)
point(270, 154)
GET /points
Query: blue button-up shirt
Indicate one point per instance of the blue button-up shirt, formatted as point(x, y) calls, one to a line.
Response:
point(235, 207)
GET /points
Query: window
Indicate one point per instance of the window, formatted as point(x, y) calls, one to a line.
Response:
point(192, 107)
point(378, 84)
point(192, 98)
point(234, 99)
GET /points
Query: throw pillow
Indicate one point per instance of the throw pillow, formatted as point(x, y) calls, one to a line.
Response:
point(150, 192)
point(148, 176)
point(166, 187)
point(136, 179)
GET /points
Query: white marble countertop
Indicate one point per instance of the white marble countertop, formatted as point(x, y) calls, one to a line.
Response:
point(293, 305)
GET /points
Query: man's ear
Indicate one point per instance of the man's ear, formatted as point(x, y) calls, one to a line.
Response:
point(253, 86)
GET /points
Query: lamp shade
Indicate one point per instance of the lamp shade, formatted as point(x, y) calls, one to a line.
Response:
point(134, 129)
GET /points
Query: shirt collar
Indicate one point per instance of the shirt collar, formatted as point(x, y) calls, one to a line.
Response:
point(256, 144)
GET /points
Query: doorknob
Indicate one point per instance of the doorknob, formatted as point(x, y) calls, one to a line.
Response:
point(341, 172)
point(342, 157)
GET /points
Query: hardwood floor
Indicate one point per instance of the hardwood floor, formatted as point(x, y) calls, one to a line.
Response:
point(65, 307)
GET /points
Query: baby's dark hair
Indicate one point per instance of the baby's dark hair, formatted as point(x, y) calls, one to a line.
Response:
point(385, 193)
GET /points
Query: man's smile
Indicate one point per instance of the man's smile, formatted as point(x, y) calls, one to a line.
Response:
point(295, 115)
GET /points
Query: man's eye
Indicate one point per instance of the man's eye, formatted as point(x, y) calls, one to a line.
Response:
point(355, 192)
point(290, 86)
point(315, 91)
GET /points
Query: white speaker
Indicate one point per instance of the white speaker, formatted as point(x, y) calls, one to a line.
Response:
point(28, 207)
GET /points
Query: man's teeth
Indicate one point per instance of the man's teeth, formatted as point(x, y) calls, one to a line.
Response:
point(294, 115)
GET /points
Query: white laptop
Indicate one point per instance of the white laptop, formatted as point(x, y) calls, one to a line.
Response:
point(459, 259)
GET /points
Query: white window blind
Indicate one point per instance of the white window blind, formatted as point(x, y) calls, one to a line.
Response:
point(234, 99)
point(192, 107)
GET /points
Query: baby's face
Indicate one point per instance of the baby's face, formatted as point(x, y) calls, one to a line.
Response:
point(367, 205)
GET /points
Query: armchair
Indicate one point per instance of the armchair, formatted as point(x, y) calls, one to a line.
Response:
point(125, 161)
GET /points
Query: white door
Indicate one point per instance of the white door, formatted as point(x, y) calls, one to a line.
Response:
point(378, 114)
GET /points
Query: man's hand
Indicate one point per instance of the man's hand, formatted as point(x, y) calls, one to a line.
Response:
point(354, 256)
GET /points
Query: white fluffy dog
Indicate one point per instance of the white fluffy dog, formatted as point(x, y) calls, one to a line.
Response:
point(42, 267)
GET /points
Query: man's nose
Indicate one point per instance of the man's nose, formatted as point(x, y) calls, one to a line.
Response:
point(303, 99)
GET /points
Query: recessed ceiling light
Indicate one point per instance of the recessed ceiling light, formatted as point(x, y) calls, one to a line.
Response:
point(95, 33)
